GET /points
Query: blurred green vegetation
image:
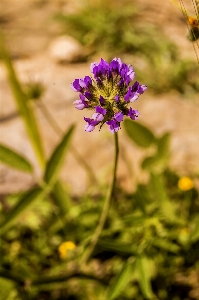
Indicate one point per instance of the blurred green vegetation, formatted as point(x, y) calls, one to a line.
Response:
point(118, 28)
point(147, 250)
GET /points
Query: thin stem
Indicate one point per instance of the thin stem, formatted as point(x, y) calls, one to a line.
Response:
point(48, 279)
point(106, 206)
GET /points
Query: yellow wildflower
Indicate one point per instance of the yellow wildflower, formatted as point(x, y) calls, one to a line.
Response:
point(64, 247)
point(185, 183)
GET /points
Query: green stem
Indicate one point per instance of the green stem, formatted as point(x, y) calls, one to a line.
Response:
point(49, 279)
point(106, 206)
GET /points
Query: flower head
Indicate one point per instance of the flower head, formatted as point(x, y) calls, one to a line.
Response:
point(64, 248)
point(108, 94)
point(185, 183)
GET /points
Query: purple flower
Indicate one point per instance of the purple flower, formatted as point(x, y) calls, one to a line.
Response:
point(78, 85)
point(115, 65)
point(87, 81)
point(131, 96)
point(133, 114)
point(99, 114)
point(138, 88)
point(100, 110)
point(80, 104)
point(100, 69)
point(108, 94)
point(114, 123)
point(127, 73)
point(114, 126)
point(134, 92)
point(91, 124)
point(119, 116)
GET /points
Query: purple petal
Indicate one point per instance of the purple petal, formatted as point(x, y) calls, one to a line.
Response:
point(133, 114)
point(102, 100)
point(142, 88)
point(134, 97)
point(97, 117)
point(79, 104)
point(114, 126)
point(76, 86)
point(87, 81)
point(100, 110)
point(117, 98)
point(89, 128)
point(135, 86)
point(119, 117)
point(91, 121)
point(88, 95)
point(104, 64)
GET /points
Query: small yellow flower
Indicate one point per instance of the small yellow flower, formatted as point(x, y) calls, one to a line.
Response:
point(185, 183)
point(64, 247)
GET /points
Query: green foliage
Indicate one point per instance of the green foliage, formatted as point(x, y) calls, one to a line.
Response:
point(140, 134)
point(143, 137)
point(143, 270)
point(120, 281)
point(24, 203)
point(14, 159)
point(56, 160)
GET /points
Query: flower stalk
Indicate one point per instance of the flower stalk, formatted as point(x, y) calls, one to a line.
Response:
point(107, 202)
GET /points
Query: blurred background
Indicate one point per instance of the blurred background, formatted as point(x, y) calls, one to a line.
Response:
point(50, 43)
point(54, 42)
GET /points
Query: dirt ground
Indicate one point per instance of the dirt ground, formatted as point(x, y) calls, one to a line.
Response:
point(29, 31)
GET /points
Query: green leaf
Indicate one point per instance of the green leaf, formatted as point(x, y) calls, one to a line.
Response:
point(149, 163)
point(194, 236)
point(117, 247)
point(157, 162)
point(7, 288)
point(166, 245)
point(23, 105)
point(14, 159)
point(26, 200)
point(61, 197)
point(119, 282)
point(140, 134)
point(158, 189)
point(163, 145)
point(57, 158)
point(144, 276)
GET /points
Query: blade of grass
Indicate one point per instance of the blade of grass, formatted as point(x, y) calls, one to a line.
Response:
point(56, 160)
point(144, 277)
point(23, 105)
point(119, 282)
point(25, 202)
